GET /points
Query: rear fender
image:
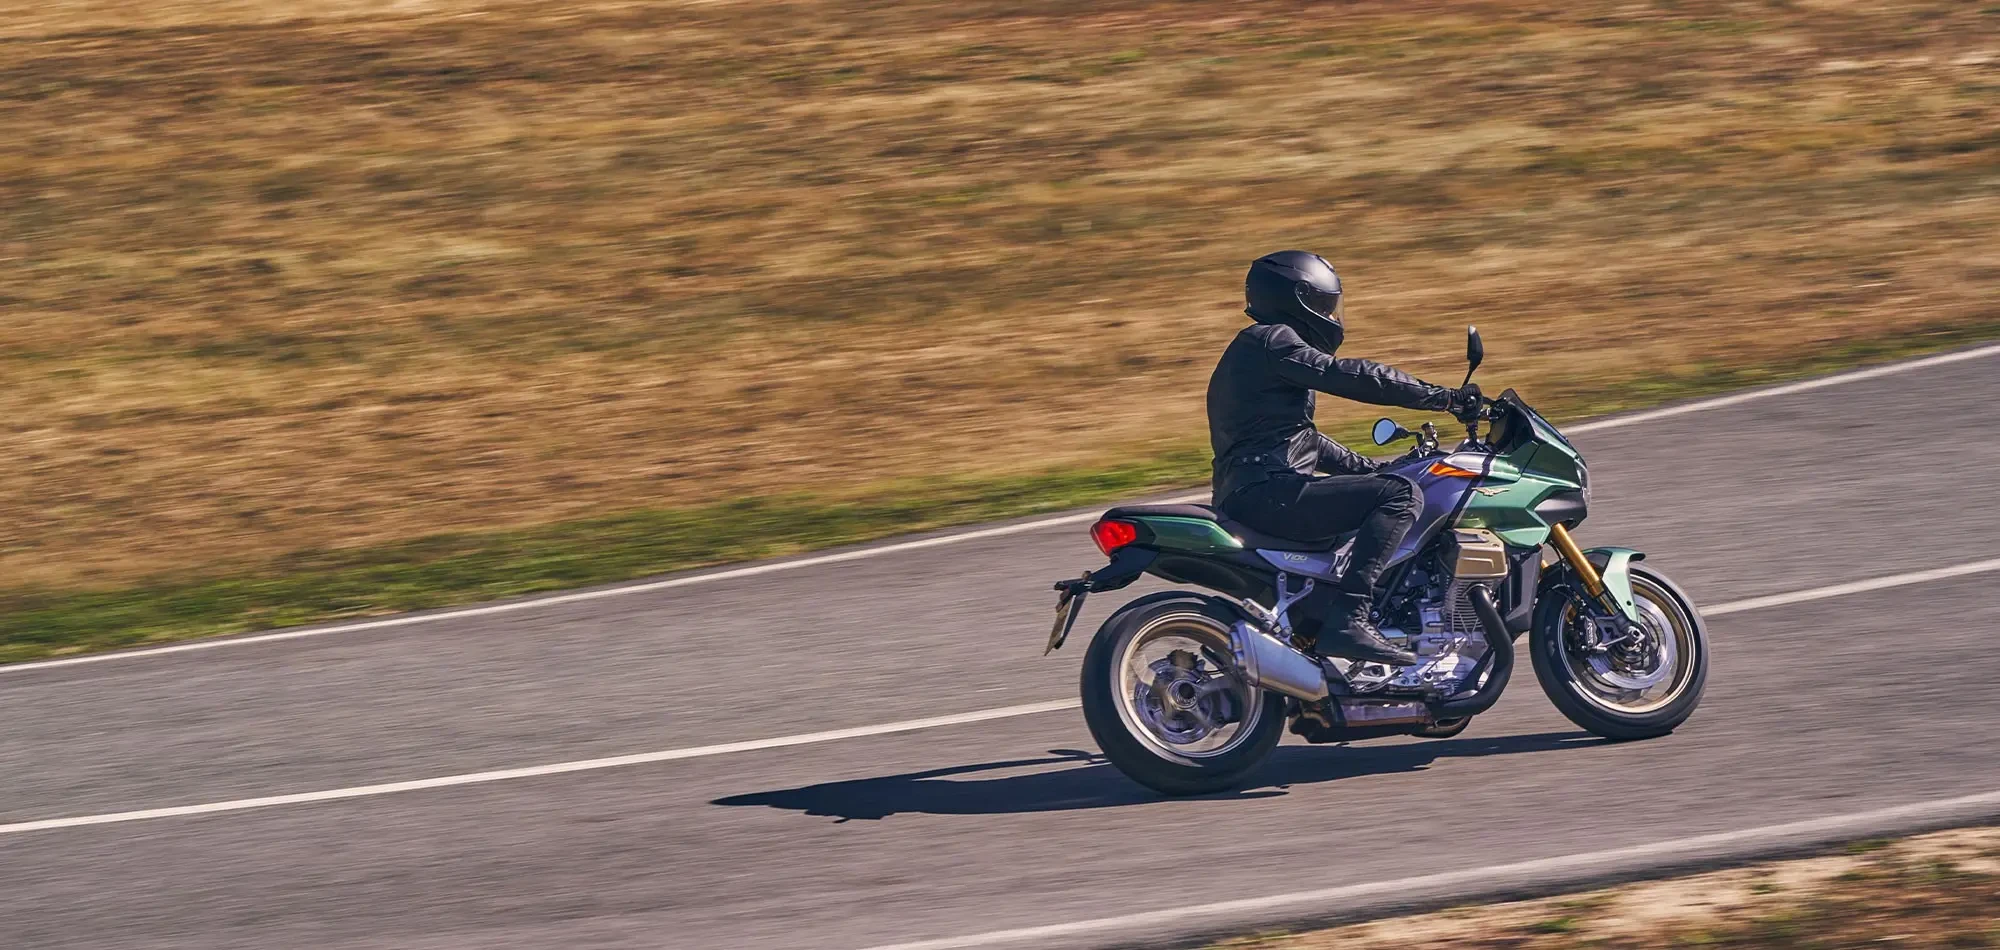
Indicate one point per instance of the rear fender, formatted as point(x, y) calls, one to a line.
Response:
point(1126, 565)
point(1222, 608)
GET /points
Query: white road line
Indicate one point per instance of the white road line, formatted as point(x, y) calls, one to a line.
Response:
point(1856, 587)
point(1785, 390)
point(901, 546)
point(533, 771)
point(1570, 866)
point(834, 735)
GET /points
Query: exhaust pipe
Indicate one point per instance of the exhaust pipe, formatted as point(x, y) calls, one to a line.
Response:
point(1269, 663)
point(1362, 714)
point(1498, 661)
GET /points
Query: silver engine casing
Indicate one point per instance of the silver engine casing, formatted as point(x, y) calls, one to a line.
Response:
point(1451, 640)
point(1449, 645)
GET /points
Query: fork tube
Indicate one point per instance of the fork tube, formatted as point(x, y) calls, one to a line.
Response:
point(1585, 571)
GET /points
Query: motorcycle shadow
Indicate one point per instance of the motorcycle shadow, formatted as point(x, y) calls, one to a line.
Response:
point(1092, 782)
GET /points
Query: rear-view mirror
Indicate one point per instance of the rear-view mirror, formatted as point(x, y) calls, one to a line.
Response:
point(1387, 431)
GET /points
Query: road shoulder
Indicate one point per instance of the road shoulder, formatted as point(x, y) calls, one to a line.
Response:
point(1934, 890)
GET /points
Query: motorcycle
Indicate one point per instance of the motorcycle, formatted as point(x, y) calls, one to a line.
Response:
point(1187, 691)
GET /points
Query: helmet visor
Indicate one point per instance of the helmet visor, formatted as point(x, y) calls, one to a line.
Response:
point(1322, 304)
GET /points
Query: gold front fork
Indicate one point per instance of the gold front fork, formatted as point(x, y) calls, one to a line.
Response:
point(1585, 571)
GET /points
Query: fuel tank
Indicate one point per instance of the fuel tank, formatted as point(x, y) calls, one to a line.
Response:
point(1447, 481)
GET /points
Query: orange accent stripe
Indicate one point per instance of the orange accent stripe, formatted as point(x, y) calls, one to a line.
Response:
point(1451, 471)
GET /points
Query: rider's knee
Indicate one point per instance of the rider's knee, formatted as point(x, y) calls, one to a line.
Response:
point(1400, 493)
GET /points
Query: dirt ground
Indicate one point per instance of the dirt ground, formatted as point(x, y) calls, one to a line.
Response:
point(1940, 890)
point(283, 275)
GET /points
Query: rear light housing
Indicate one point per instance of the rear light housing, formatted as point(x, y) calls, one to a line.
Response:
point(1109, 535)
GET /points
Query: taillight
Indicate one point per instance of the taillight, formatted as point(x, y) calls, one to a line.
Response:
point(1112, 535)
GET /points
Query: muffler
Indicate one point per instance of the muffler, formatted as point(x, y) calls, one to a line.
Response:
point(1270, 663)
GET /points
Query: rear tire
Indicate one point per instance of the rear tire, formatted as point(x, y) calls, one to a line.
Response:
point(1149, 761)
point(1589, 702)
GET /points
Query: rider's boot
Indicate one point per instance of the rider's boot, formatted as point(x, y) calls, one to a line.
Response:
point(1348, 633)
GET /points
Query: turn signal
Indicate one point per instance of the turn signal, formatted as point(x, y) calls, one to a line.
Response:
point(1452, 471)
point(1112, 535)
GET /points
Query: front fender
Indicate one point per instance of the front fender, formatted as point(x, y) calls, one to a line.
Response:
point(1614, 566)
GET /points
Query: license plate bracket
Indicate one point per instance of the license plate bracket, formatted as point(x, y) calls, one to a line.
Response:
point(1068, 606)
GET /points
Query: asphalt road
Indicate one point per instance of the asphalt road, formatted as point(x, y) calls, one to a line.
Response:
point(1837, 705)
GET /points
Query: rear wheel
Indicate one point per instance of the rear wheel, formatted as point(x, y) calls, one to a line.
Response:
point(1642, 684)
point(1163, 706)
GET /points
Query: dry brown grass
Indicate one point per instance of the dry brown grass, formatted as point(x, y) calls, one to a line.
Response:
point(1939, 890)
point(279, 275)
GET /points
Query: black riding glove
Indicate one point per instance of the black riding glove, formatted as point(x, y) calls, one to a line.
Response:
point(1465, 402)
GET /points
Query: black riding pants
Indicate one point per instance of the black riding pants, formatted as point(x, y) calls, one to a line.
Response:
point(1315, 510)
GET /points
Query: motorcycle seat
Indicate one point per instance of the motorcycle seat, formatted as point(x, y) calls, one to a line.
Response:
point(1251, 537)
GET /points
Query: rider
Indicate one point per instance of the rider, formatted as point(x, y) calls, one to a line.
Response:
point(1260, 423)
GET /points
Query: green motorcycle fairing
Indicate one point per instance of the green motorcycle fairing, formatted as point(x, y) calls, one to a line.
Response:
point(1532, 483)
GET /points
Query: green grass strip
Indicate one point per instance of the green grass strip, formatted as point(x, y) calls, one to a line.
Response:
point(453, 569)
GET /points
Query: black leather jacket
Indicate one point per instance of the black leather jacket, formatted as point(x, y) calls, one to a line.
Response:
point(1260, 406)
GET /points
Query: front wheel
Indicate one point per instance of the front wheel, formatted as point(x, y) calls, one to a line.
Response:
point(1162, 706)
point(1637, 686)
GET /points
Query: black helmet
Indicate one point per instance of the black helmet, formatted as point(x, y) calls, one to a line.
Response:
point(1298, 289)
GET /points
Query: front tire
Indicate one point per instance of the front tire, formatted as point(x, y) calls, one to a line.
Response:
point(1156, 723)
point(1631, 695)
